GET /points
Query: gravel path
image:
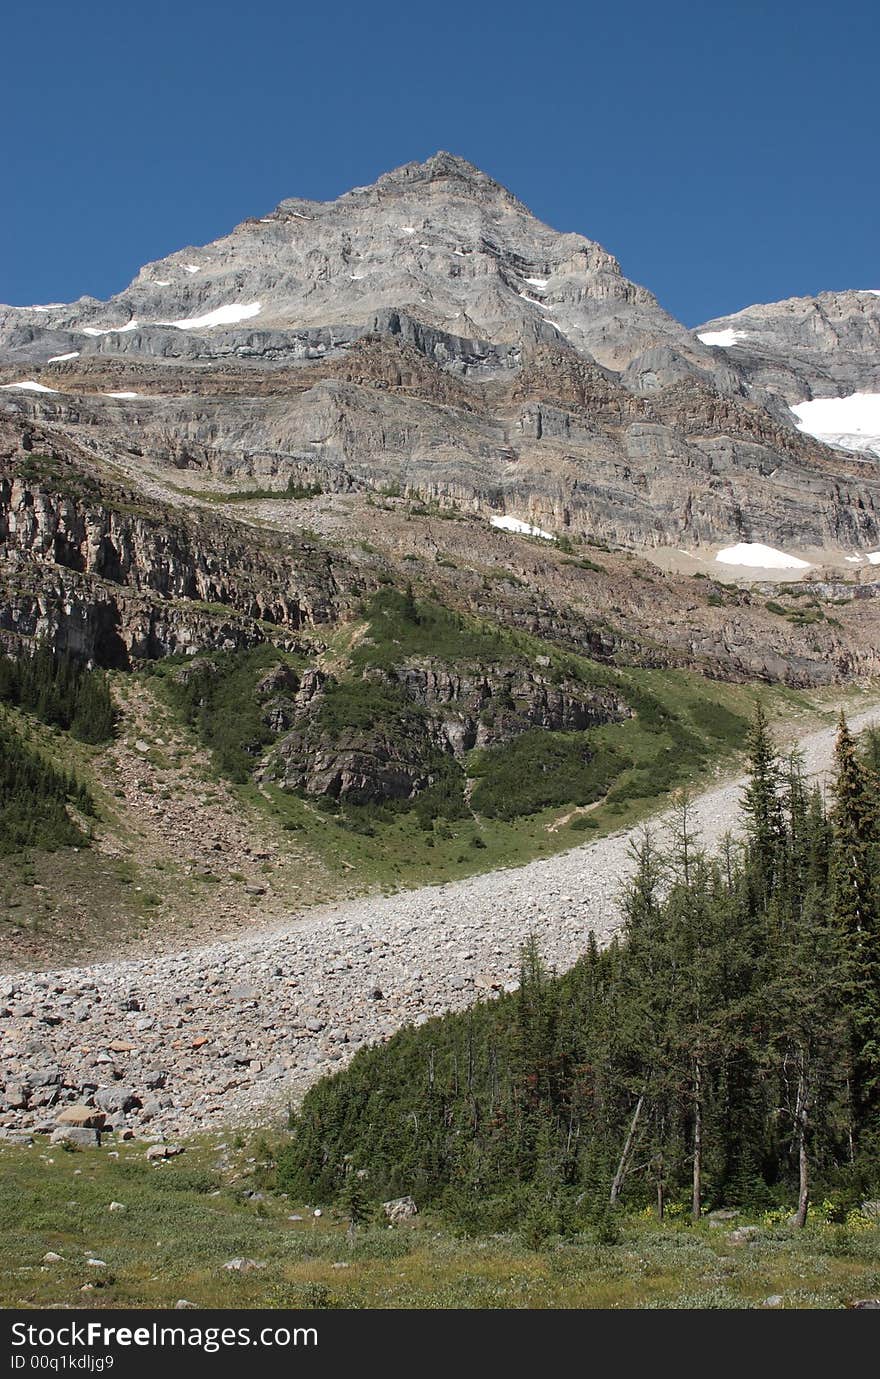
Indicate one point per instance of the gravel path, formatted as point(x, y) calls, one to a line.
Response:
point(231, 1031)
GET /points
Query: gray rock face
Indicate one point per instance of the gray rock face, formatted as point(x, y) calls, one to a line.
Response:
point(428, 332)
point(457, 711)
point(805, 347)
point(454, 255)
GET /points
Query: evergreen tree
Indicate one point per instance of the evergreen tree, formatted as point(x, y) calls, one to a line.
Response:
point(855, 876)
point(762, 806)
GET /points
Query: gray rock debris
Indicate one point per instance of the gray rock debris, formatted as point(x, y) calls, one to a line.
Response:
point(217, 1055)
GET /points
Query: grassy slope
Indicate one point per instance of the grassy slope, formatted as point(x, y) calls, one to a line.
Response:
point(77, 890)
point(388, 851)
point(136, 881)
point(185, 1219)
point(72, 905)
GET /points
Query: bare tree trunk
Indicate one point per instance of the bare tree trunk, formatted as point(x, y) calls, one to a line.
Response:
point(661, 1196)
point(627, 1151)
point(697, 1200)
point(800, 1218)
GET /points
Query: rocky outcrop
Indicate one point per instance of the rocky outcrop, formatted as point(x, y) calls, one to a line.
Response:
point(93, 569)
point(434, 715)
point(804, 347)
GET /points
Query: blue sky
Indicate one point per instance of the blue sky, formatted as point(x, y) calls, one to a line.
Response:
point(726, 153)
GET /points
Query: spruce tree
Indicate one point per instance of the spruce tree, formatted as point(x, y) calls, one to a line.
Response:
point(762, 806)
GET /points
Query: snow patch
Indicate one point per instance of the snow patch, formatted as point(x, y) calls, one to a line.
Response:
point(60, 358)
point(126, 396)
point(531, 301)
point(408, 229)
point(724, 339)
point(762, 557)
point(31, 386)
point(536, 282)
point(109, 330)
point(874, 557)
point(191, 267)
point(853, 559)
point(162, 282)
point(853, 422)
point(523, 528)
point(50, 306)
point(220, 316)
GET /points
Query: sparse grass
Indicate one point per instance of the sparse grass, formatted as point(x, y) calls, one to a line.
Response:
point(292, 491)
point(185, 1219)
point(401, 627)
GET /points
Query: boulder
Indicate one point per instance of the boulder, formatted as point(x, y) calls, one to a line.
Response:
point(16, 1096)
point(76, 1134)
point(117, 1099)
point(84, 1117)
point(400, 1209)
point(157, 1153)
point(743, 1234)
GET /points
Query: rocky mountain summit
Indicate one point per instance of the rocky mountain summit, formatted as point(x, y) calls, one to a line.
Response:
point(428, 335)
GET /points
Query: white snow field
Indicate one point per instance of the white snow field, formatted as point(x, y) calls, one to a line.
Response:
point(532, 302)
point(31, 386)
point(220, 316)
point(523, 528)
point(723, 338)
point(761, 557)
point(853, 422)
point(125, 396)
point(109, 330)
point(60, 358)
point(874, 557)
point(536, 282)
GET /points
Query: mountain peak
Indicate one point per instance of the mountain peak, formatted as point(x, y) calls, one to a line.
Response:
point(445, 167)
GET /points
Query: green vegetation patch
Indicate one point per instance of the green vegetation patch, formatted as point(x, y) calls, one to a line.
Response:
point(217, 695)
point(293, 490)
point(402, 627)
point(34, 795)
point(52, 473)
point(541, 768)
point(366, 704)
point(185, 1220)
point(61, 691)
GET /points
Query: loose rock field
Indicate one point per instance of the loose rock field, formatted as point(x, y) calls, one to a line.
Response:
point(233, 1031)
